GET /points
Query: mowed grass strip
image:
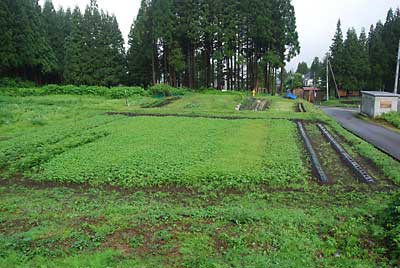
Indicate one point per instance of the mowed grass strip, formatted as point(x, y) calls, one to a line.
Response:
point(198, 153)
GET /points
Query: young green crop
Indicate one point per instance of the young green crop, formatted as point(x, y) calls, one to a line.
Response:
point(201, 153)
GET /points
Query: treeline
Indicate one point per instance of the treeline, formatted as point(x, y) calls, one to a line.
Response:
point(70, 47)
point(233, 44)
point(367, 62)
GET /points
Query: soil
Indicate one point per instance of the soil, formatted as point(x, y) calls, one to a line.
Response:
point(335, 168)
point(160, 103)
point(300, 108)
point(129, 114)
point(253, 104)
point(366, 163)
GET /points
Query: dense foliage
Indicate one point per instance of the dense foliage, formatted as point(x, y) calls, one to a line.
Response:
point(367, 62)
point(221, 44)
point(48, 46)
point(113, 92)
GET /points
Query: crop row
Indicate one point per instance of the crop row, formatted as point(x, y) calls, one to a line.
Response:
point(25, 153)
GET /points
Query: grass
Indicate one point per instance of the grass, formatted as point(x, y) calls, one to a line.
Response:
point(61, 227)
point(182, 192)
point(343, 102)
point(392, 119)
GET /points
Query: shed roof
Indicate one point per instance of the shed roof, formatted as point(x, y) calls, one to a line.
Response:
point(380, 94)
point(311, 89)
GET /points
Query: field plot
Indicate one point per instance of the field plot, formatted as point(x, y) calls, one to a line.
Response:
point(148, 151)
point(82, 188)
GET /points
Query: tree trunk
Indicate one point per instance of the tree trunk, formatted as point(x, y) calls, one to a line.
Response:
point(281, 77)
point(153, 65)
point(194, 73)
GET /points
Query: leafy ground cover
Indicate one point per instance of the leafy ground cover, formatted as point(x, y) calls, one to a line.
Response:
point(143, 152)
point(183, 192)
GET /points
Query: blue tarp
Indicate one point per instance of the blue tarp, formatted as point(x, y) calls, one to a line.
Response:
point(291, 96)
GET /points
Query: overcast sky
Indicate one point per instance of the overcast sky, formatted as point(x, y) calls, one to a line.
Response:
point(316, 19)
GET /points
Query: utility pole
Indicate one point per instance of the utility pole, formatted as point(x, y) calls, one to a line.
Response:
point(334, 79)
point(327, 77)
point(396, 83)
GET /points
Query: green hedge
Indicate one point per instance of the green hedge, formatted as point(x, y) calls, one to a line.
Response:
point(115, 92)
point(163, 90)
point(160, 90)
point(16, 83)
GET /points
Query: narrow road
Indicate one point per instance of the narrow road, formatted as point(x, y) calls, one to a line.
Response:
point(383, 138)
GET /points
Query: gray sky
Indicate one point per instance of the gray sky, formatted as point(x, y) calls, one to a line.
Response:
point(316, 19)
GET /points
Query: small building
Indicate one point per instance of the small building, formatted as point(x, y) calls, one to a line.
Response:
point(345, 94)
point(376, 103)
point(308, 80)
point(311, 94)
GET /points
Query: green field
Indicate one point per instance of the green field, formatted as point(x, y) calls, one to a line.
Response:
point(193, 183)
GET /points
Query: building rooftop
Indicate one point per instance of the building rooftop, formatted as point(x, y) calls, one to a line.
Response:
point(311, 89)
point(380, 94)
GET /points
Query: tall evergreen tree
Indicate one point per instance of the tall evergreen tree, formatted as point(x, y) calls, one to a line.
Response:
point(25, 39)
point(54, 23)
point(224, 44)
point(377, 58)
point(8, 53)
point(302, 68)
point(356, 66)
point(336, 53)
point(140, 54)
point(74, 49)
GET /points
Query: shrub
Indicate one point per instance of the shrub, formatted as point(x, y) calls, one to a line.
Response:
point(163, 90)
point(15, 83)
point(115, 92)
point(122, 92)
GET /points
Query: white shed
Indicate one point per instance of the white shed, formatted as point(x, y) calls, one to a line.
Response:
point(376, 103)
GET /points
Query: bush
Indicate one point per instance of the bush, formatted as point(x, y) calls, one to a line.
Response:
point(163, 90)
point(122, 92)
point(15, 83)
point(115, 92)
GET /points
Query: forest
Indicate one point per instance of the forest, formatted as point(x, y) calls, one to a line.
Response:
point(361, 61)
point(234, 45)
point(60, 47)
point(220, 44)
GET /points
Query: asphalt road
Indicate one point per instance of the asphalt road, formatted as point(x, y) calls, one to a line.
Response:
point(383, 138)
